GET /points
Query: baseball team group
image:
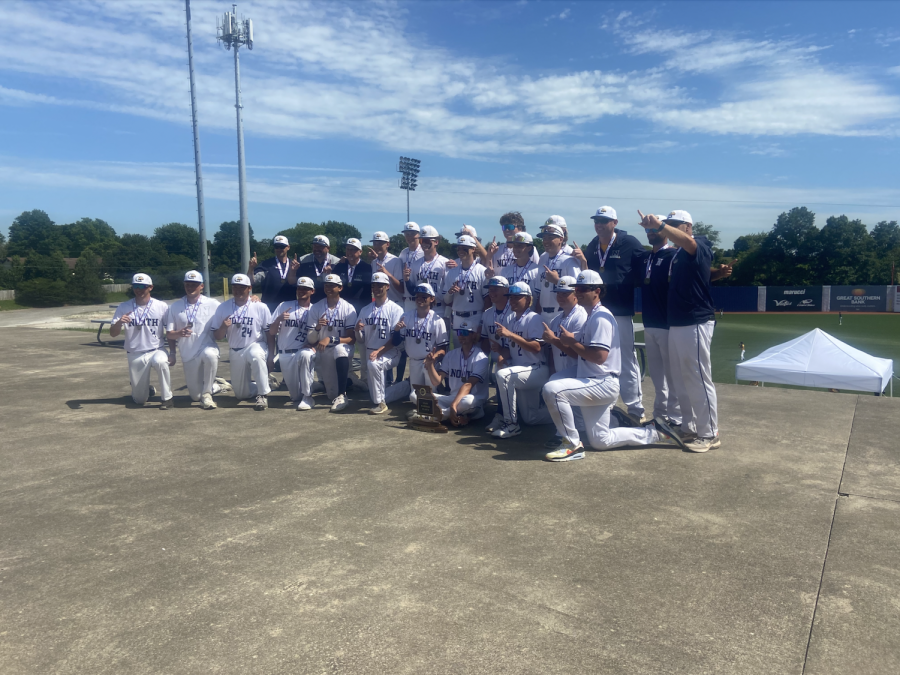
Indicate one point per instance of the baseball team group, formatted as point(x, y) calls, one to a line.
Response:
point(554, 333)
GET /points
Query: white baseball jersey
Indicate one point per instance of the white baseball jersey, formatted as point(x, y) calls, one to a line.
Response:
point(392, 265)
point(422, 335)
point(472, 283)
point(600, 330)
point(504, 256)
point(379, 323)
point(292, 333)
point(407, 258)
point(529, 274)
point(565, 266)
point(429, 272)
point(491, 317)
point(200, 316)
point(248, 323)
point(146, 330)
point(338, 319)
point(572, 322)
point(531, 327)
point(459, 369)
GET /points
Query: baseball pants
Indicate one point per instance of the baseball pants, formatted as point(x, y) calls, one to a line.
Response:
point(249, 374)
point(200, 373)
point(666, 402)
point(139, 366)
point(327, 369)
point(466, 404)
point(377, 368)
point(297, 370)
point(630, 377)
point(689, 356)
point(519, 388)
point(401, 390)
point(595, 397)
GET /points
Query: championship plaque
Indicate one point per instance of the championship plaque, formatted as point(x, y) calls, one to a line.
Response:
point(428, 414)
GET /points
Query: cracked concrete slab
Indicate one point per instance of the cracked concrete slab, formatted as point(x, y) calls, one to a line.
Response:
point(873, 461)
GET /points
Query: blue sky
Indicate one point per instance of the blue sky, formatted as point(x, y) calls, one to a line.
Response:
point(733, 111)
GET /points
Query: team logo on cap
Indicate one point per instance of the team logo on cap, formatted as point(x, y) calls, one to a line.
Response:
point(333, 279)
point(193, 276)
point(141, 279)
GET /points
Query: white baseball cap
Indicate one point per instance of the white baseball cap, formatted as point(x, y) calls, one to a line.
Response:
point(464, 328)
point(559, 221)
point(306, 282)
point(411, 227)
point(679, 216)
point(280, 239)
point(141, 278)
point(424, 288)
point(321, 239)
point(519, 288)
point(588, 278)
point(466, 240)
point(333, 279)
point(352, 241)
point(564, 285)
point(193, 275)
point(380, 278)
point(498, 281)
point(429, 232)
point(523, 238)
point(606, 212)
point(552, 231)
point(240, 280)
point(467, 229)
point(380, 236)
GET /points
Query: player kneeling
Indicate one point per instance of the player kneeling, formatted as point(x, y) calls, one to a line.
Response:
point(377, 323)
point(468, 369)
point(144, 320)
point(288, 334)
point(595, 386)
point(331, 341)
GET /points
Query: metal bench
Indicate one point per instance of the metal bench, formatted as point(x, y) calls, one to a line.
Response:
point(102, 323)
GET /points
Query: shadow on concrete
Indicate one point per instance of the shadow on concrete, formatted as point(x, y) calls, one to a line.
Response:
point(121, 401)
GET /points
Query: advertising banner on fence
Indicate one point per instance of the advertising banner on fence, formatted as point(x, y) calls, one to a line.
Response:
point(793, 298)
point(859, 298)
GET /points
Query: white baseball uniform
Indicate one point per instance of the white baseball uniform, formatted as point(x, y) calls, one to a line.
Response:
point(407, 258)
point(199, 352)
point(467, 305)
point(428, 272)
point(421, 335)
point(519, 385)
point(564, 265)
point(573, 321)
point(340, 319)
point(529, 274)
point(293, 354)
point(504, 255)
point(379, 323)
point(143, 338)
point(394, 266)
point(460, 369)
point(247, 347)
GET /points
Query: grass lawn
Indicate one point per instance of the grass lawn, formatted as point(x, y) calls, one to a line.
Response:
point(875, 334)
point(113, 298)
point(10, 304)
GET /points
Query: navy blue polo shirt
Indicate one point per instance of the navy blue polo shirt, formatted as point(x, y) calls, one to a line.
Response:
point(622, 271)
point(655, 293)
point(690, 300)
point(274, 289)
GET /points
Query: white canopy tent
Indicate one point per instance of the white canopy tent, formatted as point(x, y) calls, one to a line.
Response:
point(817, 359)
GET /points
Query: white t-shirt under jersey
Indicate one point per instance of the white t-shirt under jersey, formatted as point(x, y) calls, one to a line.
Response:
point(572, 322)
point(430, 331)
point(146, 330)
point(600, 330)
point(379, 323)
point(472, 280)
point(531, 327)
point(565, 266)
point(200, 314)
point(459, 369)
point(341, 317)
point(292, 333)
point(248, 323)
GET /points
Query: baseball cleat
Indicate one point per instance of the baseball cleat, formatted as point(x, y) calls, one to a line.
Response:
point(508, 430)
point(699, 445)
point(261, 402)
point(165, 405)
point(667, 433)
point(306, 403)
point(339, 403)
point(566, 452)
point(379, 409)
point(206, 402)
point(495, 424)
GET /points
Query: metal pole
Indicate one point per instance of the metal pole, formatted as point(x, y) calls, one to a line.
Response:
point(245, 225)
point(201, 215)
point(407, 205)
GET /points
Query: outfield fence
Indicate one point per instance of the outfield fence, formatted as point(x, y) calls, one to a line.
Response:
point(801, 298)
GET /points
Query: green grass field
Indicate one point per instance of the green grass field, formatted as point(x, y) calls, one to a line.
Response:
point(875, 334)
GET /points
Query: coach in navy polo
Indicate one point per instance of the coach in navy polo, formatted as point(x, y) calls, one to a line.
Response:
point(619, 258)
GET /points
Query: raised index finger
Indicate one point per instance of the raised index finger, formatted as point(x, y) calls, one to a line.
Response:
point(641, 215)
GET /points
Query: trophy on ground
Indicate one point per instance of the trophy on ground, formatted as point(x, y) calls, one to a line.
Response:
point(428, 413)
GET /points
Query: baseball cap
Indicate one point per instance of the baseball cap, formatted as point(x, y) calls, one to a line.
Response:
point(352, 241)
point(469, 230)
point(465, 240)
point(464, 329)
point(306, 282)
point(429, 232)
point(380, 236)
point(141, 278)
point(321, 239)
point(193, 275)
point(559, 221)
point(498, 281)
point(552, 231)
point(607, 212)
point(240, 280)
point(519, 288)
point(424, 288)
point(380, 278)
point(679, 216)
point(411, 227)
point(564, 285)
point(280, 240)
point(588, 278)
point(523, 238)
point(333, 279)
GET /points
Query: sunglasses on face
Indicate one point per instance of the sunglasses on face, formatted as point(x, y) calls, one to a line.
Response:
point(509, 227)
point(140, 287)
point(277, 246)
point(602, 221)
point(463, 333)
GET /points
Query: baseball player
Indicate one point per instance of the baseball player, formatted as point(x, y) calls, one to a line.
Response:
point(277, 276)
point(595, 387)
point(317, 265)
point(383, 260)
point(289, 331)
point(144, 322)
point(423, 332)
point(491, 344)
point(377, 323)
point(510, 224)
point(245, 323)
point(430, 269)
point(189, 326)
point(468, 369)
point(692, 315)
point(522, 267)
point(331, 336)
point(407, 256)
point(464, 289)
point(560, 222)
point(523, 369)
point(553, 264)
point(571, 318)
point(743, 349)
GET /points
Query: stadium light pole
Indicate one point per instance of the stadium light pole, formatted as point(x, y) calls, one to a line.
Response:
point(409, 168)
point(232, 34)
point(198, 173)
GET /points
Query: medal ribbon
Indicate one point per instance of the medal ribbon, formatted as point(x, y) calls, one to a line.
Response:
point(420, 327)
point(331, 314)
point(141, 318)
point(237, 317)
point(283, 272)
point(653, 257)
point(187, 309)
point(603, 256)
point(672, 262)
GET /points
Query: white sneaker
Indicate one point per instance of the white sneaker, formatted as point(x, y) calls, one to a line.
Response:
point(261, 402)
point(379, 409)
point(699, 445)
point(508, 430)
point(566, 452)
point(495, 424)
point(306, 403)
point(206, 401)
point(224, 385)
point(339, 403)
